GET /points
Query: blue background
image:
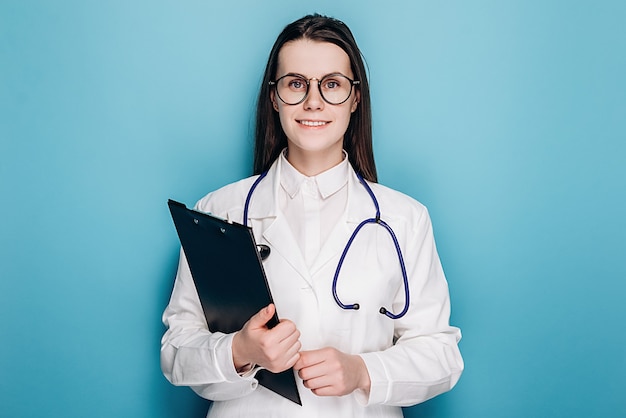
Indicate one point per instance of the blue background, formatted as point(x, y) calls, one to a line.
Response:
point(507, 119)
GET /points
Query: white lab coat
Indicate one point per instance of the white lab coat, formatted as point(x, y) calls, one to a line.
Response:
point(409, 360)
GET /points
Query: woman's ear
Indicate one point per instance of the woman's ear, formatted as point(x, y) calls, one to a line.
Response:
point(357, 99)
point(273, 99)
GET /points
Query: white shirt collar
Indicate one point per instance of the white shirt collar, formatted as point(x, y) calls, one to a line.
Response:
point(328, 182)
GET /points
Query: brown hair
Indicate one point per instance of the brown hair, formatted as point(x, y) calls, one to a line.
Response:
point(270, 138)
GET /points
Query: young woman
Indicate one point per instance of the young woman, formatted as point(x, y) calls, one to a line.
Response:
point(365, 317)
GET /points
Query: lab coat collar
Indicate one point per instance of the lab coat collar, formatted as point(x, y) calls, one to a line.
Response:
point(360, 204)
point(359, 207)
point(264, 200)
point(264, 206)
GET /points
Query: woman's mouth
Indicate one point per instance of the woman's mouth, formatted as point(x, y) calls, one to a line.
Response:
point(312, 123)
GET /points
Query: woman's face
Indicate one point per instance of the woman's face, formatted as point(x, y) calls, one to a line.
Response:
point(314, 128)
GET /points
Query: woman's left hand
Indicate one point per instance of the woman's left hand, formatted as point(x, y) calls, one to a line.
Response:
point(330, 372)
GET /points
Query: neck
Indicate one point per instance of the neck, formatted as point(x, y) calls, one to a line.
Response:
point(313, 163)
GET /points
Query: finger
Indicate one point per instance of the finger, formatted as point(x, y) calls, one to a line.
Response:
point(320, 383)
point(281, 358)
point(293, 351)
point(293, 360)
point(285, 328)
point(313, 371)
point(310, 358)
point(327, 391)
point(286, 337)
point(290, 349)
point(310, 373)
point(259, 319)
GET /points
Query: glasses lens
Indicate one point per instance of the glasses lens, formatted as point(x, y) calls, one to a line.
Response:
point(291, 89)
point(335, 88)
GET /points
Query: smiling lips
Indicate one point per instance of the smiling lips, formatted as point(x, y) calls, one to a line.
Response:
point(313, 123)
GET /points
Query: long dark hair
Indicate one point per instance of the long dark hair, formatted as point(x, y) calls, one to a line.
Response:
point(270, 138)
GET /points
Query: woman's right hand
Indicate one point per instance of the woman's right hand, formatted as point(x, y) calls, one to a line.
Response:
point(275, 349)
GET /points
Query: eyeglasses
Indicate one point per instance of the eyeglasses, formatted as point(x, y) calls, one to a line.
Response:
point(293, 89)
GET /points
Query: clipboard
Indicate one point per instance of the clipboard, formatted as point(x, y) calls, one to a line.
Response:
point(229, 277)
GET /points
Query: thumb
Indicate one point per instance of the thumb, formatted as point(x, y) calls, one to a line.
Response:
point(263, 316)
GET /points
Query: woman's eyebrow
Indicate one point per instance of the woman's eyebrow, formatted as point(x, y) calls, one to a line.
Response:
point(310, 78)
point(296, 75)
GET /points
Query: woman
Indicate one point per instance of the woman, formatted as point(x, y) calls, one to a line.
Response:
point(313, 148)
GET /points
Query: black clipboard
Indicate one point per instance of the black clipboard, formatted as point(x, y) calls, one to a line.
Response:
point(229, 278)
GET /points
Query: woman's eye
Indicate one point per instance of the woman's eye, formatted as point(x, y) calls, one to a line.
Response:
point(331, 84)
point(297, 84)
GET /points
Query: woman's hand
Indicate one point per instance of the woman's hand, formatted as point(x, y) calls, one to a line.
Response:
point(329, 372)
point(275, 349)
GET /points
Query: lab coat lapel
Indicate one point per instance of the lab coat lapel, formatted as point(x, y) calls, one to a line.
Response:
point(265, 216)
point(333, 246)
point(358, 208)
point(279, 236)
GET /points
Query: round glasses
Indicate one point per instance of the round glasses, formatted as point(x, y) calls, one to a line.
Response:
point(335, 89)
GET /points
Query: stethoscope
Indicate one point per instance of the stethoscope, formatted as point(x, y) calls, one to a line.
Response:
point(264, 250)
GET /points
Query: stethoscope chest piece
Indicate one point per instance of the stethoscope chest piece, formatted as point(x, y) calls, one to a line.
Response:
point(264, 251)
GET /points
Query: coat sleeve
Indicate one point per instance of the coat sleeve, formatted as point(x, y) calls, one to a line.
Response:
point(193, 356)
point(425, 360)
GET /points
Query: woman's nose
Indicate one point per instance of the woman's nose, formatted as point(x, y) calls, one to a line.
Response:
point(314, 100)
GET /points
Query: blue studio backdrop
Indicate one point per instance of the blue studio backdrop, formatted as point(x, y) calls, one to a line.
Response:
point(506, 118)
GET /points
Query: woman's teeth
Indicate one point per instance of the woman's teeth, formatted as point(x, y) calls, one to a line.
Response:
point(312, 123)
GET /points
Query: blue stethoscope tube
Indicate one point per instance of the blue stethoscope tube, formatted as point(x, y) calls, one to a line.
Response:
point(375, 220)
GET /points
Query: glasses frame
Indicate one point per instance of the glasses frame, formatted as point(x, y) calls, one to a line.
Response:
point(319, 87)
